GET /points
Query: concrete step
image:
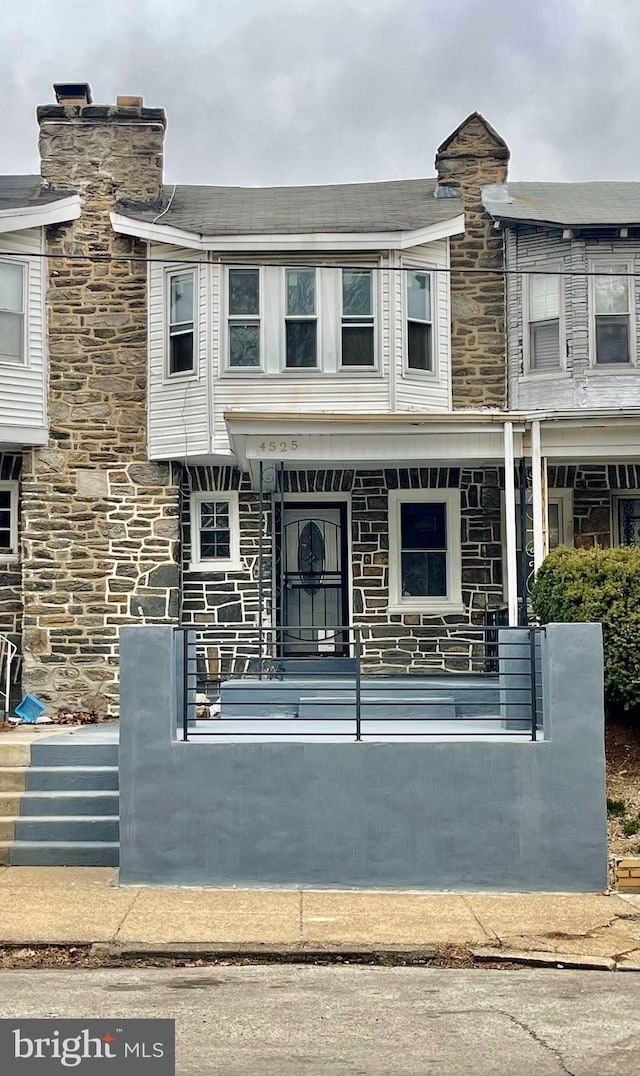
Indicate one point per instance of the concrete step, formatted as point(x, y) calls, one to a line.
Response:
point(435, 707)
point(62, 751)
point(70, 778)
point(53, 802)
point(71, 828)
point(60, 853)
point(13, 778)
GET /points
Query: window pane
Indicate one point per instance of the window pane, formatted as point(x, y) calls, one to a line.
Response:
point(424, 575)
point(11, 283)
point(214, 514)
point(11, 336)
point(5, 520)
point(356, 293)
point(215, 544)
point(419, 346)
point(553, 515)
point(5, 498)
point(244, 344)
point(612, 292)
point(301, 291)
point(244, 291)
point(181, 353)
point(612, 339)
point(544, 298)
point(181, 299)
point(419, 296)
point(545, 345)
point(301, 344)
point(423, 526)
point(357, 345)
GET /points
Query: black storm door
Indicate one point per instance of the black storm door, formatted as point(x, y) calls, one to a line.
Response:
point(312, 594)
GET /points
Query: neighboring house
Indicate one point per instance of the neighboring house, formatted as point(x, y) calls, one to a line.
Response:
point(572, 252)
point(280, 406)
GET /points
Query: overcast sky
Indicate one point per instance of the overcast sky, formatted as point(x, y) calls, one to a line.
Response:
point(317, 91)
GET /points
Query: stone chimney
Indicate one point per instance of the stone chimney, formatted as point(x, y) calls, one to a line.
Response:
point(99, 521)
point(475, 156)
point(107, 151)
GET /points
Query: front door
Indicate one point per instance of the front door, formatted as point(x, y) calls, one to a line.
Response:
point(629, 520)
point(312, 591)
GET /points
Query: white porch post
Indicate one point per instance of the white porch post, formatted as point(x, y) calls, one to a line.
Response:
point(538, 507)
point(510, 525)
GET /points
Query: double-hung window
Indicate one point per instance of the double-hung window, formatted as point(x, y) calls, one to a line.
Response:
point(215, 532)
point(612, 315)
point(301, 320)
point(357, 318)
point(244, 319)
point(419, 320)
point(8, 520)
point(544, 322)
point(12, 312)
point(182, 294)
point(424, 566)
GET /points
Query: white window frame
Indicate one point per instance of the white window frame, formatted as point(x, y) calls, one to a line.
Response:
point(228, 319)
point(428, 270)
point(345, 320)
point(452, 602)
point(12, 556)
point(560, 495)
point(601, 267)
point(199, 563)
point(183, 375)
point(23, 360)
point(304, 371)
point(552, 269)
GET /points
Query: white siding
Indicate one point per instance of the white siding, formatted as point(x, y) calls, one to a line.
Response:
point(179, 407)
point(23, 385)
point(579, 385)
point(416, 391)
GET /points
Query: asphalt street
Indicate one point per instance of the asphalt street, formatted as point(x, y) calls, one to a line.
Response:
point(293, 1020)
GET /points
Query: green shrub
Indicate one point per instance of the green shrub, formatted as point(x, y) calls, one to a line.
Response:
point(631, 827)
point(616, 807)
point(598, 585)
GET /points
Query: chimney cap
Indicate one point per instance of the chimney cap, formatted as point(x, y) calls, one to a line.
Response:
point(73, 93)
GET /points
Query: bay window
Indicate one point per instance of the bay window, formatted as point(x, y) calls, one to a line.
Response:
point(544, 300)
point(181, 328)
point(12, 312)
point(301, 320)
point(612, 315)
point(357, 318)
point(244, 319)
point(419, 321)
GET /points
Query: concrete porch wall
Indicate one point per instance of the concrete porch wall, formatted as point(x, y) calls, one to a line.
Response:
point(504, 815)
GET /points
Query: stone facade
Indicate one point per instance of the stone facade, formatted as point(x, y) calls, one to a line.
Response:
point(100, 523)
point(10, 572)
point(223, 606)
point(472, 157)
point(595, 485)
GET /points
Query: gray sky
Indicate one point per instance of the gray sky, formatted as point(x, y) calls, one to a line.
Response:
point(317, 91)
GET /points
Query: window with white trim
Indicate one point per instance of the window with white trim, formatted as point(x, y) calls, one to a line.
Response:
point(8, 520)
point(419, 308)
point(357, 339)
point(243, 325)
point(215, 531)
point(181, 287)
point(544, 330)
point(424, 550)
point(301, 320)
point(559, 526)
point(12, 311)
point(611, 294)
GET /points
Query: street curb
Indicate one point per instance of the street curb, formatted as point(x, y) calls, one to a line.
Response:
point(537, 958)
point(289, 952)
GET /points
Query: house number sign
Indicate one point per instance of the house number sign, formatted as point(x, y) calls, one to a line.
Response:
point(281, 445)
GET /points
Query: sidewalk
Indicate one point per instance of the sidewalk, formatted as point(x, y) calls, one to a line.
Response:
point(84, 906)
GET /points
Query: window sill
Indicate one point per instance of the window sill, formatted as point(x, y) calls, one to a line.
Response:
point(9, 558)
point(426, 375)
point(612, 367)
point(441, 608)
point(170, 379)
point(543, 375)
point(216, 566)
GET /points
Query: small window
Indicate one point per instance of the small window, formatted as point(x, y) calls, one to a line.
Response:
point(244, 319)
point(424, 569)
point(181, 323)
point(612, 316)
point(357, 318)
point(544, 322)
point(628, 529)
point(8, 520)
point(215, 531)
point(301, 322)
point(419, 322)
point(12, 313)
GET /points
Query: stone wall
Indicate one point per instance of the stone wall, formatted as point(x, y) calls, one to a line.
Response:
point(100, 522)
point(472, 157)
point(219, 602)
point(595, 485)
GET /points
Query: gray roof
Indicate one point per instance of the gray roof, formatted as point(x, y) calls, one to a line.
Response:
point(22, 192)
point(567, 204)
point(397, 206)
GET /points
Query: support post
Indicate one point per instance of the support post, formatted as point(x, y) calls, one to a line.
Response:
point(510, 526)
point(538, 505)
